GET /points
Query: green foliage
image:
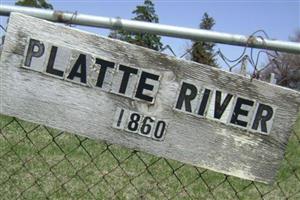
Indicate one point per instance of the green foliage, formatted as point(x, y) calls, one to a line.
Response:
point(145, 12)
point(203, 52)
point(34, 3)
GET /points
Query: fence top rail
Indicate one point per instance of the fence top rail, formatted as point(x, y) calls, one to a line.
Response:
point(160, 29)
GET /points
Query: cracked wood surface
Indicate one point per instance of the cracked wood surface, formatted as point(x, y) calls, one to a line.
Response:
point(71, 107)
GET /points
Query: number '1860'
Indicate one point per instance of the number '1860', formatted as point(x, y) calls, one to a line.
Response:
point(143, 125)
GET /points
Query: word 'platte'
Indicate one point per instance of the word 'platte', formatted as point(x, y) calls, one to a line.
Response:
point(85, 69)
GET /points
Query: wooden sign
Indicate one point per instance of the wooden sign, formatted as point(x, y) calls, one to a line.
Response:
point(128, 95)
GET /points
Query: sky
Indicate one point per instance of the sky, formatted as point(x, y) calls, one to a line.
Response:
point(279, 19)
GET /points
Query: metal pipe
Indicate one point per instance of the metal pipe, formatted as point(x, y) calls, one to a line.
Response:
point(159, 29)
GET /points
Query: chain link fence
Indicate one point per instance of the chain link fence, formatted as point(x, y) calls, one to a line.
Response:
point(38, 162)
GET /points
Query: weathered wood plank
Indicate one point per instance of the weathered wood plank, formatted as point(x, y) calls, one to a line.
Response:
point(80, 106)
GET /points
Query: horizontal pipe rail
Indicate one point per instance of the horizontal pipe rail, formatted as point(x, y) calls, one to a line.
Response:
point(159, 29)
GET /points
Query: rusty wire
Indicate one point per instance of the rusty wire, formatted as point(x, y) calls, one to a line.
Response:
point(4, 29)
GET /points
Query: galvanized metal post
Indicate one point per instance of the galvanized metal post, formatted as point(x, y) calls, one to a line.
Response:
point(273, 78)
point(243, 70)
point(160, 29)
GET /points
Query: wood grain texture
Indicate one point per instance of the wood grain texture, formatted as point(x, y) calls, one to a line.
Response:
point(42, 99)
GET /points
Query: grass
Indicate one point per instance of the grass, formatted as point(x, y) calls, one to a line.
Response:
point(38, 162)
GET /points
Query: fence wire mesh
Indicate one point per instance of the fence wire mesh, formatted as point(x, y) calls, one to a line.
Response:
point(38, 162)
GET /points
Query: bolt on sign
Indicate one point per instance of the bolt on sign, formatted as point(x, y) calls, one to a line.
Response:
point(124, 94)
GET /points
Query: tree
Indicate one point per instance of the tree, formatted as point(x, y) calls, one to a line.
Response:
point(145, 12)
point(34, 3)
point(203, 52)
point(285, 66)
